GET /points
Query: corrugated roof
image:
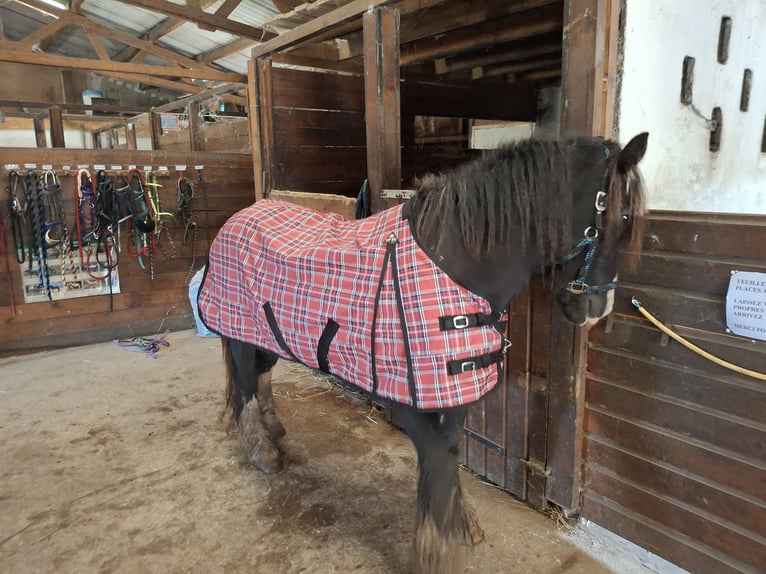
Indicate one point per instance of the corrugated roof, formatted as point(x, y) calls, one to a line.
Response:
point(188, 39)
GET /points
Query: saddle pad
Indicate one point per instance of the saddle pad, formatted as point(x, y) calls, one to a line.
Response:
point(319, 289)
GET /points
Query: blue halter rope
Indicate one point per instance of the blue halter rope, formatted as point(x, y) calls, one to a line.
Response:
point(588, 245)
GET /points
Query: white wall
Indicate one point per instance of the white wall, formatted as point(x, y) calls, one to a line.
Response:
point(680, 171)
point(75, 139)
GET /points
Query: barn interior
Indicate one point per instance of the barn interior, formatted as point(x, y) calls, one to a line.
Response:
point(305, 102)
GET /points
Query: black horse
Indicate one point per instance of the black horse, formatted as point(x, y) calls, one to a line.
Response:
point(418, 319)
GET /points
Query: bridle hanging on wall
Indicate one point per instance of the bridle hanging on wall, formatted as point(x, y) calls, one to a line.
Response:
point(17, 211)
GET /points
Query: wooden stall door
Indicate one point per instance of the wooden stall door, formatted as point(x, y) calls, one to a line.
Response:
point(518, 436)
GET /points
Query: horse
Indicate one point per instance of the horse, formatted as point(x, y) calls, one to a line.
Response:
point(410, 304)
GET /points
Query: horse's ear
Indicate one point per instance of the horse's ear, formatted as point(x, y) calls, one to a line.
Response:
point(632, 153)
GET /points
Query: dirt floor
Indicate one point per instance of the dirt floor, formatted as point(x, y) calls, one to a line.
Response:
point(111, 461)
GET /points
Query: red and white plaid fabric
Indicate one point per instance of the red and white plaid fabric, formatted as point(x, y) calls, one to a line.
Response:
point(311, 267)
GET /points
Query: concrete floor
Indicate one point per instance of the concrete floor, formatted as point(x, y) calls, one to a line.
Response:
point(111, 461)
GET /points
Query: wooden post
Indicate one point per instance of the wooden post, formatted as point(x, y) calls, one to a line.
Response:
point(589, 68)
point(261, 102)
point(57, 127)
point(382, 103)
point(130, 136)
point(194, 126)
point(39, 126)
point(591, 30)
point(155, 128)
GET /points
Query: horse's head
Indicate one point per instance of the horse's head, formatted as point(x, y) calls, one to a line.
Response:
point(608, 206)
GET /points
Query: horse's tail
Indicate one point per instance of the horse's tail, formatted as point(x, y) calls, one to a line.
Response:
point(233, 399)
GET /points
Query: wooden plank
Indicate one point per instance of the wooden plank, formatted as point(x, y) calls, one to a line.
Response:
point(507, 103)
point(589, 67)
point(565, 411)
point(195, 143)
point(649, 376)
point(718, 235)
point(682, 271)
point(56, 126)
point(299, 168)
point(494, 428)
point(743, 549)
point(155, 129)
point(517, 384)
point(657, 538)
point(642, 339)
point(730, 473)
point(317, 90)
point(737, 438)
point(537, 413)
point(663, 480)
point(40, 136)
point(130, 136)
point(483, 35)
point(382, 103)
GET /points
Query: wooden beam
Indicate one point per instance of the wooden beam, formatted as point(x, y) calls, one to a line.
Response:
point(44, 32)
point(11, 55)
point(57, 127)
point(591, 30)
point(222, 51)
point(155, 128)
point(195, 143)
point(382, 106)
point(202, 19)
point(97, 46)
point(39, 127)
point(130, 136)
point(262, 124)
point(228, 6)
point(312, 29)
point(589, 67)
point(450, 65)
point(475, 38)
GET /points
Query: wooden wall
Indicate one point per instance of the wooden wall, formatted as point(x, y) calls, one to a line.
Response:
point(675, 446)
point(230, 135)
point(312, 133)
point(144, 306)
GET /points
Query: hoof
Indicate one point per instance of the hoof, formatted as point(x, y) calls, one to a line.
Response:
point(265, 457)
point(475, 534)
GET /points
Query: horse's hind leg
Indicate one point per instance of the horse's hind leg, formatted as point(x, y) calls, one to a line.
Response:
point(443, 520)
point(268, 409)
point(246, 367)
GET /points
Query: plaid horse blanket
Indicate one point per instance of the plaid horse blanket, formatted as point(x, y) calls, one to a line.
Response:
point(357, 299)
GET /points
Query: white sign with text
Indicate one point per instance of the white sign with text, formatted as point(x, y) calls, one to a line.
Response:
point(746, 304)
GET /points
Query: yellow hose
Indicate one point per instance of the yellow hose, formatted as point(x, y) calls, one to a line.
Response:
point(637, 304)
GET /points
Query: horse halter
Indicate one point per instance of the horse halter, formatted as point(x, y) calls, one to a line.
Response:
point(588, 245)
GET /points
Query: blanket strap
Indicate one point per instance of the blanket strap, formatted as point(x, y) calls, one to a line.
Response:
point(474, 363)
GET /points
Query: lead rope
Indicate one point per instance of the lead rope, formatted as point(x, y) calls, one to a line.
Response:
point(726, 364)
point(17, 211)
point(36, 218)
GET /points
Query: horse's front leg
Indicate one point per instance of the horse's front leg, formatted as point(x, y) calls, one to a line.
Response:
point(248, 368)
point(443, 520)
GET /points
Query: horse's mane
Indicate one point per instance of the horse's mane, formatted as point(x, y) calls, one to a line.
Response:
point(475, 195)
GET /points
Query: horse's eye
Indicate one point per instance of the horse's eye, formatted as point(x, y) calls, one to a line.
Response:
point(625, 218)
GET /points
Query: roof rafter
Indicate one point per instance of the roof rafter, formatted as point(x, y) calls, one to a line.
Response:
point(202, 19)
point(11, 53)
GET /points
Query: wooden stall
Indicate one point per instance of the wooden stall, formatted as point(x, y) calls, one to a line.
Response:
point(674, 443)
point(144, 305)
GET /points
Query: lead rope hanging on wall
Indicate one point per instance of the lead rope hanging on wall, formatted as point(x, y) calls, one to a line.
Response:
point(662, 327)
